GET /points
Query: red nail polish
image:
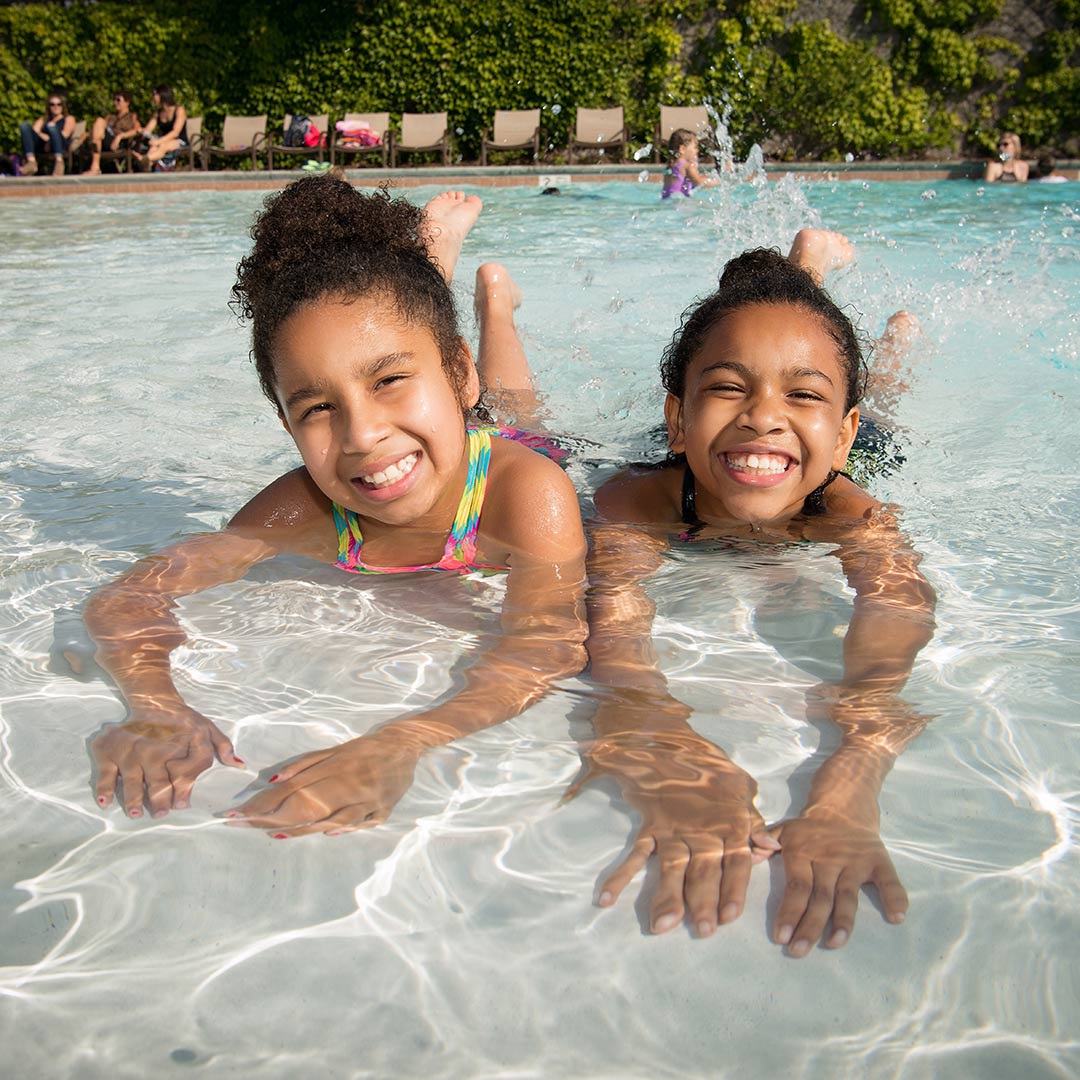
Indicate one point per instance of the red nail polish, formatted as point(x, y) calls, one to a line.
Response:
point(273, 778)
point(101, 800)
point(281, 836)
point(239, 760)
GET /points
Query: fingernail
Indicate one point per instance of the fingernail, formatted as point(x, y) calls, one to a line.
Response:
point(281, 836)
point(101, 800)
point(606, 899)
point(799, 948)
point(239, 760)
point(273, 778)
point(896, 917)
point(704, 928)
point(665, 923)
point(181, 804)
point(783, 935)
point(234, 814)
point(135, 813)
point(160, 813)
point(729, 912)
point(838, 939)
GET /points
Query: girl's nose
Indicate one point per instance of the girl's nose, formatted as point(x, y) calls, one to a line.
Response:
point(762, 412)
point(362, 428)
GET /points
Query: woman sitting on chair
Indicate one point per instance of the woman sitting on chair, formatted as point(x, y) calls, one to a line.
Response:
point(167, 130)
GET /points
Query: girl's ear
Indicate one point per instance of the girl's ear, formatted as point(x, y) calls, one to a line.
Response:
point(676, 437)
point(849, 428)
point(468, 381)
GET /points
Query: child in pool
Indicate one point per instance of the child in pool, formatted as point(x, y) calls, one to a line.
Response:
point(682, 174)
point(763, 384)
point(355, 340)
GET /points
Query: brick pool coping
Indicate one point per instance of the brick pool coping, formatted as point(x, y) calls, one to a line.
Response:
point(476, 176)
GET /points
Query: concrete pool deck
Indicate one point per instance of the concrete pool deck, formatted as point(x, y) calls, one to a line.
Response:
point(475, 176)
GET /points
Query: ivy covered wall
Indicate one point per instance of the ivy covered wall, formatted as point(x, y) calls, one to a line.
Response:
point(885, 78)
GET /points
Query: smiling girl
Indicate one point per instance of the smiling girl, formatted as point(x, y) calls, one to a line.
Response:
point(763, 382)
point(356, 344)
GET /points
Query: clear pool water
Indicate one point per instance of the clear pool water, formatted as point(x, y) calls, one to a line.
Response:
point(461, 939)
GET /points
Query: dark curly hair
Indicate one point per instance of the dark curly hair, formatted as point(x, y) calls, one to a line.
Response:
point(763, 276)
point(321, 237)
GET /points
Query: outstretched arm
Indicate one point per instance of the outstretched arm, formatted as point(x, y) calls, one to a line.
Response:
point(356, 785)
point(833, 848)
point(696, 805)
point(164, 744)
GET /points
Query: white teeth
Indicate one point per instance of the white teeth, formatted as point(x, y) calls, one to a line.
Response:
point(392, 473)
point(766, 464)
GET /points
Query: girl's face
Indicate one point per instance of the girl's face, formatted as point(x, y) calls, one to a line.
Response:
point(762, 419)
point(373, 414)
point(690, 151)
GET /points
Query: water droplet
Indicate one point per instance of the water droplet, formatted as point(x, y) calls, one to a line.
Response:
point(556, 109)
point(644, 152)
point(643, 176)
point(849, 157)
point(980, 192)
point(928, 194)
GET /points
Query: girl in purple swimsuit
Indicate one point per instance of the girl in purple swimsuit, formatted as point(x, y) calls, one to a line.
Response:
point(683, 174)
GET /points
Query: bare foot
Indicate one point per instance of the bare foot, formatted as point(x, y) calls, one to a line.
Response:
point(901, 330)
point(94, 170)
point(447, 221)
point(817, 251)
point(497, 293)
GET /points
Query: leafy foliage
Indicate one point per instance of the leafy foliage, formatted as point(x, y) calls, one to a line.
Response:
point(922, 74)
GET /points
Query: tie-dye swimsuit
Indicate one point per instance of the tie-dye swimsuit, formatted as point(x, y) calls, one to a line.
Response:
point(676, 180)
point(459, 555)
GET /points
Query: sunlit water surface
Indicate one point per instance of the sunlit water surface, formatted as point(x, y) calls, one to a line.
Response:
point(461, 939)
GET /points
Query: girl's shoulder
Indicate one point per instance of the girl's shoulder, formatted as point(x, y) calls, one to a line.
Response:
point(530, 502)
point(298, 512)
point(640, 494)
point(848, 507)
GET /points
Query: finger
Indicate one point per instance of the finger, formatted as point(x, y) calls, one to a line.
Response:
point(259, 806)
point(812, 925)
point(893, 895)
point(182, 784)
point(630, 867)
point(667, 906)
point(223, 747)
point(799, 882)
point(733, 886)
point(703, 887)
point(131, 779)
point(105, 788)
point(288, 772)
point(158, 790)
point(763, 845)
point(574, 789)
point(845, 904)
point(348, 819)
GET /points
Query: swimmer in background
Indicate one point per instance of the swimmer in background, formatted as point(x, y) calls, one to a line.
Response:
point(1046, 171)
point(763, 382)
point(682, 174)
point(355, 341)
point(1008, 168)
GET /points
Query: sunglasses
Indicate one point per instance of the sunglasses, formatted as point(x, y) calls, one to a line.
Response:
point(56, 104)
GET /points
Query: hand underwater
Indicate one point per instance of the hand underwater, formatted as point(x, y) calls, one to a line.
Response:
point(697, 816)
point(159, 750)
point(353, 786)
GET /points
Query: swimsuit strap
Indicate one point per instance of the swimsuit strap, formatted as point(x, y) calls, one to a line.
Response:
point(460, 550)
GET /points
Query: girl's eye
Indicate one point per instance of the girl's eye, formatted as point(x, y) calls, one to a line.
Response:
point(805, 395)
point(389, 380)
point(323, 406)
point(724, 388)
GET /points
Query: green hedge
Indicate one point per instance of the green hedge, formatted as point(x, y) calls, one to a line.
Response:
point(920, 75)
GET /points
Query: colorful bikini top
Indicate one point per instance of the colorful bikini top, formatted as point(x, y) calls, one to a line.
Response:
point(459, 555)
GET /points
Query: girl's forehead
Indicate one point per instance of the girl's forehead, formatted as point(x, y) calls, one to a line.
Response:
point(767, 335)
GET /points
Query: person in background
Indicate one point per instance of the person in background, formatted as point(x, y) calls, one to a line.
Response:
point(115, 129)
point(48, 134)
point(683, 174)
point(1008, 168)
point(1046, 171)
point(167, 130)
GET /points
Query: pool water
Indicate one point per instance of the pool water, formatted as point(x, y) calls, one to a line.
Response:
point(461, 939)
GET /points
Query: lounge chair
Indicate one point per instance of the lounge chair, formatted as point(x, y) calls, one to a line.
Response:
point(515, 129)
point(694, 118)
point(377, 122)
point(422, 132)
point(599, 129)
point(321, 122)
point(242, 136)
point(195, 141)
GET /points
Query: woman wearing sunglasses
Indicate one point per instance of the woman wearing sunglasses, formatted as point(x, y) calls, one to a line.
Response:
point(48, 134)
point(120, 126)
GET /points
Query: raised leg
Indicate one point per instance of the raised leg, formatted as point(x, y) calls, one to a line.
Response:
point(97, 136)
point(817, 251)
point(448, 218)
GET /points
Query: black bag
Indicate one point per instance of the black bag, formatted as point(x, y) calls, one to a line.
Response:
point(297, 129)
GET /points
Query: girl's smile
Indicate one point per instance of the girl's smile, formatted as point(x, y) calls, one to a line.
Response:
point(762, 419)
point(374, 416)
